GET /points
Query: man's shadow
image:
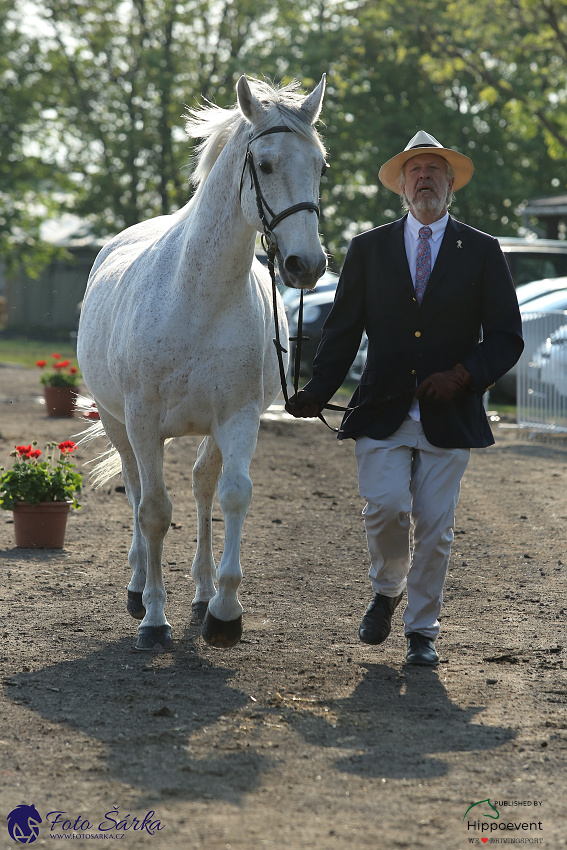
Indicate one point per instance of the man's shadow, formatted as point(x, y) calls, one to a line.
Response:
point(398, 725)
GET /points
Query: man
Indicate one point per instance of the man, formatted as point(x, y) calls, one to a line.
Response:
point(438, 304)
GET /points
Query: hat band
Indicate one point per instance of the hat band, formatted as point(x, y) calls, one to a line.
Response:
point(422, 146)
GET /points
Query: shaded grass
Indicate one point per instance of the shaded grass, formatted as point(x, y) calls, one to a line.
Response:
point(24, 352)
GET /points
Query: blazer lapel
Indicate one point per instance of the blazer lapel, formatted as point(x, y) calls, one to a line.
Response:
point(398, 254)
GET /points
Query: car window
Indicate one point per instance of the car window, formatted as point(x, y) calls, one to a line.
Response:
point(535, 265)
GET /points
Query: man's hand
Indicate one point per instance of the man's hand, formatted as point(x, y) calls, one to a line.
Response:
point(443, 387)
point(304, 405)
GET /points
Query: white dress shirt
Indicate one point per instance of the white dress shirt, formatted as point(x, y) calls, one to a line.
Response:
point(411, 237)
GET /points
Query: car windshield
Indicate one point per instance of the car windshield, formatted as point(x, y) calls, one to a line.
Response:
point(547, 303)
point(538, 288)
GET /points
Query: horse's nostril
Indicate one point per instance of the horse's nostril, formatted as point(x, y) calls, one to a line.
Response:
point(295, 266)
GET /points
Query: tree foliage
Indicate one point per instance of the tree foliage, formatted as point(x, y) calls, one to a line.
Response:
point(91, 104)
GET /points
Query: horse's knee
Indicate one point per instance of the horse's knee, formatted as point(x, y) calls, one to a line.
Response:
point(154, 517)
point(235, 492)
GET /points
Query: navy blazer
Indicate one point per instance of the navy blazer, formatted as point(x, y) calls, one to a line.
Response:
point(469, 314)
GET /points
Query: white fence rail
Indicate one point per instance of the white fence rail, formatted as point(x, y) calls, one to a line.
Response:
point(541, 394)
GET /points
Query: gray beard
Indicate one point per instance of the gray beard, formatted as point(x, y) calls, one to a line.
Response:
point(429, 204)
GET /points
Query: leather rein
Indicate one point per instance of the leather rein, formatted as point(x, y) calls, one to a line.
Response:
point(270, 244)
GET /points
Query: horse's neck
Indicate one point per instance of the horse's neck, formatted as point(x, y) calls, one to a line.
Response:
point(219, 243)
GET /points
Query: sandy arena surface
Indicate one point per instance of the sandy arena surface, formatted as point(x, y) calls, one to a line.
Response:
point(301, 736)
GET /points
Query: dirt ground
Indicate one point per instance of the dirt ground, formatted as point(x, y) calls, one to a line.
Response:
point(301, 736)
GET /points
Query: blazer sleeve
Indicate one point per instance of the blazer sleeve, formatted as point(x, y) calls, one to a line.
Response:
point(502, 343)
point(342, 332)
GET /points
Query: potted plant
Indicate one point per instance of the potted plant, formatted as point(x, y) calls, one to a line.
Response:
point(60, 382)
point(40, 493)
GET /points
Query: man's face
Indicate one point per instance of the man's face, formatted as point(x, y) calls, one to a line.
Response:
point(427, 187)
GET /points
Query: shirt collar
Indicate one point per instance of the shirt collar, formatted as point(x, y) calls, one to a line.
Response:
point(437, 228)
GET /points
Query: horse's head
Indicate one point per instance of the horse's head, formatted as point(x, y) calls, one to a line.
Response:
point(285, 160)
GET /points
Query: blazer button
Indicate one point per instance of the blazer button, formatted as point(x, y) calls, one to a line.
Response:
point(418, 333)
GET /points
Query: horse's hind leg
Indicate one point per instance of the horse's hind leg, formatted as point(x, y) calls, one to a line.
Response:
point(205, 477)
point(154, 518)
point(236, 439)
point(137, 556)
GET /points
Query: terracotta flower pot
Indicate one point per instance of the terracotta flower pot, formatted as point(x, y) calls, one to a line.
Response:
point(60, 401)
point(40, 526)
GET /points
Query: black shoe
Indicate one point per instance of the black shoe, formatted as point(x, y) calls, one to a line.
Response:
point(421, 650)
point(377, 621)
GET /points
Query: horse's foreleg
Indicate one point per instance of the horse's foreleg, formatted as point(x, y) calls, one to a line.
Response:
point(154, 518)
point(236, 439)
point(137, 556)
point(205, 477)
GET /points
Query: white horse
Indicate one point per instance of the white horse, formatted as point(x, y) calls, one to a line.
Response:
point(176, 330)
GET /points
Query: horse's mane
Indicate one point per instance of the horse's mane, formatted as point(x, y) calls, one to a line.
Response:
point(215, 125)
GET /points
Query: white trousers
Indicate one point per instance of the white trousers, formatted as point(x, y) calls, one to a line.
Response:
point(412, 489)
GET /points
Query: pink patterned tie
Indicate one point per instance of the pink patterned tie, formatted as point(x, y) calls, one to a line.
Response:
point(423, 267)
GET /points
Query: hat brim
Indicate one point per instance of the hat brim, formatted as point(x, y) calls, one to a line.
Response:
point(462, 166)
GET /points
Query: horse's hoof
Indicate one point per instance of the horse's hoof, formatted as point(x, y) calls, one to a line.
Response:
point(135, 606)
point(221, 633)
point(198, 611)
point(154, 638)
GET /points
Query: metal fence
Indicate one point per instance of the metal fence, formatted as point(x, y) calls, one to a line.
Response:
point(541, 394)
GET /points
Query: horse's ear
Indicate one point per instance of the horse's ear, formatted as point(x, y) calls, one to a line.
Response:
point(313, 103)
point(250, 106)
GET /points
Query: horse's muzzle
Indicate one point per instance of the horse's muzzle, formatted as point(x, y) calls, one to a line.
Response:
point(301, 272)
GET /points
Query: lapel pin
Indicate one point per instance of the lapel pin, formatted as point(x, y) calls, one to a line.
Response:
point(459, 244)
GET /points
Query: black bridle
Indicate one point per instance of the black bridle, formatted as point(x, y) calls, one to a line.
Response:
point(270, 244)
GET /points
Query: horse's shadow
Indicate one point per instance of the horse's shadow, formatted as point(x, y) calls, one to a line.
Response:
point(144, 709)
point(397, 726)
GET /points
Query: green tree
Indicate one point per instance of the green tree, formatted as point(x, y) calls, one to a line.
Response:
point(390, 75)
point(103, 90)
point(26, 181)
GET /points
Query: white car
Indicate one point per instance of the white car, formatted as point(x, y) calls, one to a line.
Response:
point(548, 369)
point(540, 317)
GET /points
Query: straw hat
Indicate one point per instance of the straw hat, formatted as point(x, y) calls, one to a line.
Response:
point(422, 142)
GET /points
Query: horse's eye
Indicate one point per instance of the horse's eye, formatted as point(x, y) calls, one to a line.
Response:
point(265, 167)
point(325, 166)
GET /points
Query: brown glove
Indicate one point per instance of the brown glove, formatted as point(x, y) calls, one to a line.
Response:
point(443, 387)
point(304, 405)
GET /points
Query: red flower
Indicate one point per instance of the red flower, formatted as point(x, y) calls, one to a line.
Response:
point(27, 452)
point(73, 370)
point(67, 446)
point(56, 356)
point(41, 363)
